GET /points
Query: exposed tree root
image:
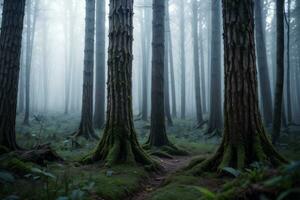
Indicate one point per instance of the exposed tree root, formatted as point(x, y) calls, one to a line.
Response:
point(120, 146)
point(165, 151)
point(87, 133)
point(214, 133)
point(238, 156)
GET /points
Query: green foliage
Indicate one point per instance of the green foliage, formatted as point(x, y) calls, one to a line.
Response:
point(6, 177)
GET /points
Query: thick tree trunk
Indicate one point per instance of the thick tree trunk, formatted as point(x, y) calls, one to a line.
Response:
point(196, 62)
point(166, 67)
point(182, 56)
point(86, 128)
point(119, 142)
point(264, 80)
point(215, 118)
point(158, 136)
point(278, 103)
point(244, 140)
point(99, 115)
point(10, 53)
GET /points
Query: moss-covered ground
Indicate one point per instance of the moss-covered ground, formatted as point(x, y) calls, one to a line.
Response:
point(70, 180)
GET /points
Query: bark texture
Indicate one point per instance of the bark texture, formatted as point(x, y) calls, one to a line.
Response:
point(86, 128)
point(262, 62)
point(244, 140)
point(119, 142)
point(10, 53)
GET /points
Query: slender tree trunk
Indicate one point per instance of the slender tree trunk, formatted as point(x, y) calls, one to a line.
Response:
point(202, 66)
point(215, 118)
point(31, 24)
point(166, 67)
point(262, 62)
point(45, 64)
point(86, 128)
point(171, 62)
point(182, 56)
point(10, 53)
point(144, 68)
point(244, 139)
point(119, 142)
point(288, 80)
point(99, 115)
point(196, 63)
point(278, 103)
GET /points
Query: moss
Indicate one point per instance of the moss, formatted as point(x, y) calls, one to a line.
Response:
point(3, 150)
point(176, 192)
point(15, 165)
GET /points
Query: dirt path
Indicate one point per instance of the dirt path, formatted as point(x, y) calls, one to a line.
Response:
point(171, 166)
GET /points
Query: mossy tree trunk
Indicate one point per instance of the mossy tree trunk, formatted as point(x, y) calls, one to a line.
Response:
point(119, 143)
point(10, 53)
point(244, 140)
point(86, 128)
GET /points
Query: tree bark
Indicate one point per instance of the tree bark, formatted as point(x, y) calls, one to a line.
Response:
point(262, 62)
point(244, 139)
point(99, 115)
point(196, 62)
point(10, 53)
point(215, 118)
point(86, 128)
point(119, 142)
point(278, 103)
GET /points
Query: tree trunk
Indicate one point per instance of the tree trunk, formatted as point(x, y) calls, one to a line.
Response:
point(182, 56)
point(31, 24)
point(158, 136)
point(86, 125)
point(99, 115)
point(10, 53)
point(144, 67)
point(45, 64)
point(278, 103)
point(244, 139)
point(166, 67)
point(196, 63)
point(288, 80)
point(262, 62)
point(202, 66)
point(215, 118)
point(173, 86)
point(119, 142)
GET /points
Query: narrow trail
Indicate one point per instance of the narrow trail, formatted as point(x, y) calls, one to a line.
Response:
point(170, 166)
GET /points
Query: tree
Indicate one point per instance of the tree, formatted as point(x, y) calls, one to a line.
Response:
point(244, 139)
point(119, 142)
point(10, 53)
point(31, 24)
point(100, 65)
point(262, 62)
point(215, 118)
point(196, 63)
point(166, 69)
point(86, 128)
point(278, 103)
point(182, 56)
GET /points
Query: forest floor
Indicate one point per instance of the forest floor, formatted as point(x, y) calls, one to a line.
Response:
point(71, 181)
